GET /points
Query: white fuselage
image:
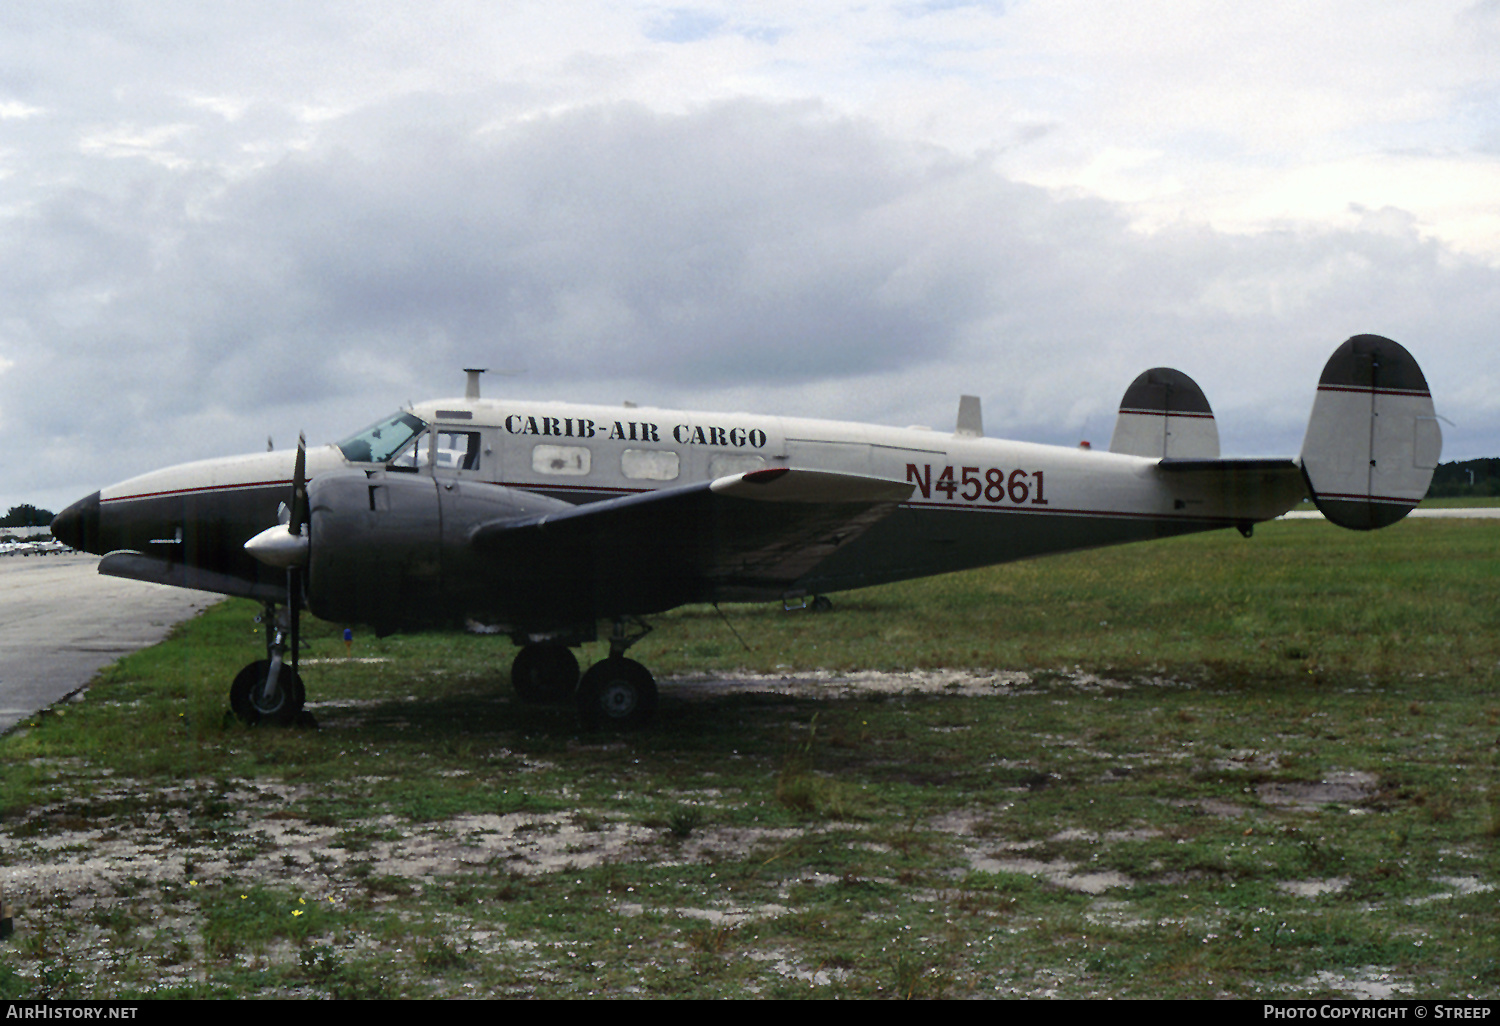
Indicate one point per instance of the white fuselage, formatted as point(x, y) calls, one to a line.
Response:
point(974, 500)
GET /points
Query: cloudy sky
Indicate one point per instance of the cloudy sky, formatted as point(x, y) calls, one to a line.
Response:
point(226, 221)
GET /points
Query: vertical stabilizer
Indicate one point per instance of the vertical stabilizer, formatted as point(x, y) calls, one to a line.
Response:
point(970, 420)
point(1165, 414)
point(1373, 439)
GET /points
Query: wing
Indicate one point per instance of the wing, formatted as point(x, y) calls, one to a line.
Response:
point(747, 536)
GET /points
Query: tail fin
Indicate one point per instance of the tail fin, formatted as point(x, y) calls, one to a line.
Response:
point(1165, 414)
point(1373, 439)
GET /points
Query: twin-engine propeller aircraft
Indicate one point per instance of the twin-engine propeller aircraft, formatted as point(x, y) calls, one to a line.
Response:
point(540, 519)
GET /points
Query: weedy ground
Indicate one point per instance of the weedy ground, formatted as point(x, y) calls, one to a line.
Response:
point(1197, 768)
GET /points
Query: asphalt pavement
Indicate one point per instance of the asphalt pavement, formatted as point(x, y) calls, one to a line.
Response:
point(61, 622)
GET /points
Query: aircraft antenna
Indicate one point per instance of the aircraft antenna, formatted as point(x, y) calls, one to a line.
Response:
point(471, 388)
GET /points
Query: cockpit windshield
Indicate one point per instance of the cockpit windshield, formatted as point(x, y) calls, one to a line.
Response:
point(379, 442)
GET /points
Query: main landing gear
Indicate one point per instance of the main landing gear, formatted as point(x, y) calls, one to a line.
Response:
point(269, 691)
point(615, 692)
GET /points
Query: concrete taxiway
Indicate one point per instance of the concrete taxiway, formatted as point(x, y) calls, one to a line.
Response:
point(1445, 513)
point(60, 622)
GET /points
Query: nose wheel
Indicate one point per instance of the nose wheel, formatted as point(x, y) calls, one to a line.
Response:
point(269, 691)
point(256, 699)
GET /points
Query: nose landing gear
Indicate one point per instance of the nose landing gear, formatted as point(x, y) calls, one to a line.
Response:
point(269, 691)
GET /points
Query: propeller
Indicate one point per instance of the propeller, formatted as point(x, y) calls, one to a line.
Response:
point(286, 546)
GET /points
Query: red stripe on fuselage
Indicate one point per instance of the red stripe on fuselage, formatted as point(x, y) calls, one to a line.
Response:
point(204, 490)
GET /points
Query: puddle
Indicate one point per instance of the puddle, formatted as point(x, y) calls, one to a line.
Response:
point(1314, 888)
point(1335, 789)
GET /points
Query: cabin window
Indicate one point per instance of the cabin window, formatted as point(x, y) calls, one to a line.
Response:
point(726, 463)
point(456, 450)
point(566, 460)
point(650, 464)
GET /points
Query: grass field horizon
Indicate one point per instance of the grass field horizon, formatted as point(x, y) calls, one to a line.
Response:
point(1200, 767)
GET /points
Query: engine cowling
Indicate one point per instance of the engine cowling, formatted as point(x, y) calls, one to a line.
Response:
point(391, 549)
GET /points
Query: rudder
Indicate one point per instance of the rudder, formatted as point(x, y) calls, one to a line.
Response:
point(1373, 439)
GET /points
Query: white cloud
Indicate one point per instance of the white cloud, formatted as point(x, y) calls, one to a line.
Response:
point(292, 217)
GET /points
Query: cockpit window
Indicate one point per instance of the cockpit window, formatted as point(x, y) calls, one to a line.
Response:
point(379, 442)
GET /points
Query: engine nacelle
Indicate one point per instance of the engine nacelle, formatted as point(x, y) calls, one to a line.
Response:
point(391, 549)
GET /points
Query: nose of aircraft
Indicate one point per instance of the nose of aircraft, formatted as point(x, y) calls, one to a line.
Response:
point(78, 526)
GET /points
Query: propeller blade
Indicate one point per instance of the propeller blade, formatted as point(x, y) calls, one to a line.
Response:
point(297, 527)
point(299, 489)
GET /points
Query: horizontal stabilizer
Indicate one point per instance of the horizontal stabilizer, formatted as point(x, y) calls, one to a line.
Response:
point(1255, 489)
point(1164, 414)
point(1373, 440)
point(1277, 464)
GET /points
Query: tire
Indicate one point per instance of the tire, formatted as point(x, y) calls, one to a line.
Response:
point(544, 674)
point(248, 682)
point(616, 694)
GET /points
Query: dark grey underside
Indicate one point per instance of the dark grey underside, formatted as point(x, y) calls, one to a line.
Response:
point(575, 584)
point(192, 540)
point(1362, 514)
point(920, 542)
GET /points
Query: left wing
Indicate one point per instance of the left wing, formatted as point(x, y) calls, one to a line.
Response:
point(751, 535)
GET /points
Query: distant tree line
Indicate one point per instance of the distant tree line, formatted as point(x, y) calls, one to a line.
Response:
point(1468, 477)
point(27, 516)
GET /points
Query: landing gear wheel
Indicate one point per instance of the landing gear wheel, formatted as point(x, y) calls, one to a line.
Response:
point(248, 704)
point(618, 693)
point(544, 673)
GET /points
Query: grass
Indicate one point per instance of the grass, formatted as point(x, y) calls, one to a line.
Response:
point(1251, 769)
